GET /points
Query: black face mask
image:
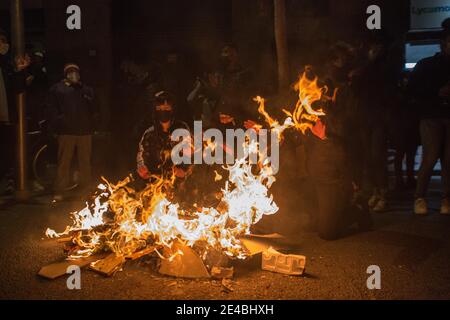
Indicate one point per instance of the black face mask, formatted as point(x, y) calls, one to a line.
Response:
point(164, 116)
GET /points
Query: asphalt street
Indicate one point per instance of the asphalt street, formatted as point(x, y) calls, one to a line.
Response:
point(412, 252)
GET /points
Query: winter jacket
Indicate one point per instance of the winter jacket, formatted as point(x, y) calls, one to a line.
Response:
point(427, 78)
point(13, 83)
point(375, 90)
point(71, 109)
point(154, 151)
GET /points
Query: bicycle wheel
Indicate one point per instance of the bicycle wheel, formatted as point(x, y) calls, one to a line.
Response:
point(45, 168)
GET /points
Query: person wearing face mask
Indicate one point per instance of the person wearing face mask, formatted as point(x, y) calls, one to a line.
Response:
point(205, 99)
point(12, 81)
point(72, 110)
point(429, 86)
point(155, 146)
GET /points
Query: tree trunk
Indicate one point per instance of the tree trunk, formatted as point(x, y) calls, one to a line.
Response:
point(281, 43)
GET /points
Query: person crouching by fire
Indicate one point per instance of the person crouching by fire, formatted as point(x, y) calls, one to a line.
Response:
point(329, 162)
point(155, 147)
point(72, 115)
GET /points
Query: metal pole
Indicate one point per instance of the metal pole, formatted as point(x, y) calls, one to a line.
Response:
point(18, 50)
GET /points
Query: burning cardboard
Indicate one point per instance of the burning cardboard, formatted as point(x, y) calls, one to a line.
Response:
point(182, 261)
point(256, 244)
point(59, 269)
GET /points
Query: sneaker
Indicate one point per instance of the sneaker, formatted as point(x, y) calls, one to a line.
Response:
point(380, 206)
point(445, 207)
point(57, 198)
point(420, 206)
point(373, 200)
point(37, 187)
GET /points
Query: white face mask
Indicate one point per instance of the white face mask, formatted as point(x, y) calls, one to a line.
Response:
point(4, 48)
point(73, 77)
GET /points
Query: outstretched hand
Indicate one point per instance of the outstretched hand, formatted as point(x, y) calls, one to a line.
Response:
point(319, 130)
point(226, 119)
point(22, 62)
point(250, 124)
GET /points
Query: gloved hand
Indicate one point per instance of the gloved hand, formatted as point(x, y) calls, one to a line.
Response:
point(319, 130)
point(250, 124)
point(143, 172)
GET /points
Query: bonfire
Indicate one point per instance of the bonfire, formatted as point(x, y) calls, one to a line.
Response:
point(131, 223)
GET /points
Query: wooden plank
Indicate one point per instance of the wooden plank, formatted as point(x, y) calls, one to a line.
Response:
point(267, 236)
point(256, 244)
point(70, 248)
point(254, 247)
point(143, 252)
point(222, 273)
point(58, 269)
point(108, 265)
point(64, 239)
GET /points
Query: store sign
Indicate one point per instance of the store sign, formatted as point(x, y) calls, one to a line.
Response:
point(429, 14)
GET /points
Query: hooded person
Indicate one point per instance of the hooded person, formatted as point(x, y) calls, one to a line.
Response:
point(156, 144)
point(72, 112)
point(206, 97)
point(429, 87)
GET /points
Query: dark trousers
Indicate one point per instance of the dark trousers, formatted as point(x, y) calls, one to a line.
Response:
point(375, 157)
point(405, 144)
point(404, 137)
point(435, 135)
point(67, 145)
point(330, 174)
point(409, 153)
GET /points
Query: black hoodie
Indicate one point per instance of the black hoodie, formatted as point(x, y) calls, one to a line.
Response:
point(428, 77)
